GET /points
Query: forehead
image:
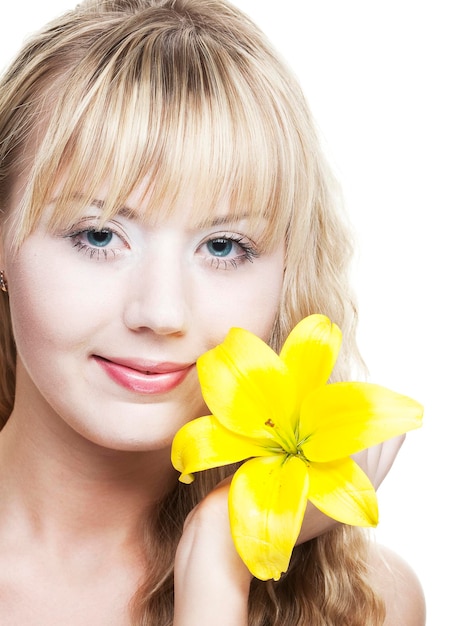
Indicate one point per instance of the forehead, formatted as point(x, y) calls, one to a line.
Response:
point(207, 175)
point(207, 129)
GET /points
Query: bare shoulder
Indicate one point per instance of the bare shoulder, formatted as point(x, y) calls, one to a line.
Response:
point(399, 586)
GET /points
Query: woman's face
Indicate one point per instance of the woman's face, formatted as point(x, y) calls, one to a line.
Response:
point(109, 322)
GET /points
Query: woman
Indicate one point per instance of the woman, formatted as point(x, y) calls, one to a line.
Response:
point(160, 182)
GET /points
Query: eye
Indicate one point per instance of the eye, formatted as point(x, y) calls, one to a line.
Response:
point(98, 243)
point(99, 238)
point(228, 251)
point(220, 247)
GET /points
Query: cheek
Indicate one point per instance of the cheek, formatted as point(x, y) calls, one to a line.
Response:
point(257, 310)
point(32, 310)
point(250, 301)
point(261, 298)
point(49, 304)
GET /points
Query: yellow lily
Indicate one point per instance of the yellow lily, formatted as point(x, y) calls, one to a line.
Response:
point(296, 434)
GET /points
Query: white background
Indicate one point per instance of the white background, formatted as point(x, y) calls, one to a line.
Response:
point(386, 83)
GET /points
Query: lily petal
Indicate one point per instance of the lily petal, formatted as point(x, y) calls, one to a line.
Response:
point(343, 418)
point(267, 501)
point(310, 352)
point(204, 443)
point(245, 385)
point(342, 490)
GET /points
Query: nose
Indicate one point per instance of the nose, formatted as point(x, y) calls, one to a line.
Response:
point(157, 298)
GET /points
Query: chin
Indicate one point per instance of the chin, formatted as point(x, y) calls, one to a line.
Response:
point(130, 440)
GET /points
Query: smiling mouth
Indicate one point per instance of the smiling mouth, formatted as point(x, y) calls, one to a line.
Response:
point(142, 378)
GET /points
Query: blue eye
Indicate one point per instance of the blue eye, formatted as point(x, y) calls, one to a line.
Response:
point(220, 247)
point(100, 244)
point(228, 251)
point(99, 238)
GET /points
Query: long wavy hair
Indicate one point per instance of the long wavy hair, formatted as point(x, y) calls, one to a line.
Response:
point(188, 96)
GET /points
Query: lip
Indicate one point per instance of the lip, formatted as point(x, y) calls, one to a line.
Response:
point(144, 377)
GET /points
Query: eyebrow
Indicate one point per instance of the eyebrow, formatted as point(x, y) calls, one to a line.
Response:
point(123, 211)
point(227, 219)
point(132, 214)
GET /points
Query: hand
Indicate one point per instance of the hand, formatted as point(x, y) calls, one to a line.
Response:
point(211, 581)
point(377, 461)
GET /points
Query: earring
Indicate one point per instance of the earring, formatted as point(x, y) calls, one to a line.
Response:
point(3, 282)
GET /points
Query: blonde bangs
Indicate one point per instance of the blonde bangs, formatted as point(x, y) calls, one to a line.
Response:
point(175, 112)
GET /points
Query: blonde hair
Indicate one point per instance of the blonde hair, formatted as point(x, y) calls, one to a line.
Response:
point(187, 97)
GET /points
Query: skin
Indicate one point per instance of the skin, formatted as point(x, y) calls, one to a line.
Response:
point(82, 457)
point(199, 574)
point(147, 293)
